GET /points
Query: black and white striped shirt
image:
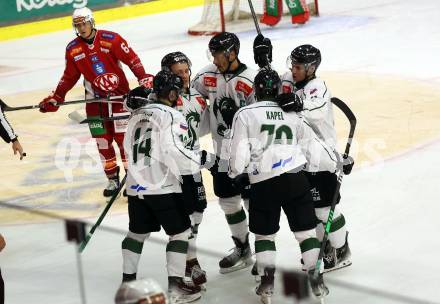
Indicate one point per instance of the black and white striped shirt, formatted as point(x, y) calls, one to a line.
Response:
point(6, 131)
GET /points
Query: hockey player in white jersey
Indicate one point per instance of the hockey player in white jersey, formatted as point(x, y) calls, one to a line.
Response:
point(157, 158)
point(195, 110)
point(228, 84)
point(303, 62)
point(272, 147)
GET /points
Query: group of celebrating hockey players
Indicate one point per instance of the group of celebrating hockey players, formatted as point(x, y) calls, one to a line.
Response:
point(274, 142)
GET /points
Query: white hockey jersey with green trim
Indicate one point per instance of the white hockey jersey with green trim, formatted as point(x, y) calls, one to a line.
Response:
point(156, 154)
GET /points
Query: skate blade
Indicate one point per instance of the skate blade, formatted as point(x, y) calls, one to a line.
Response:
point(342, 265)
point(242, 265)
point(185, 299)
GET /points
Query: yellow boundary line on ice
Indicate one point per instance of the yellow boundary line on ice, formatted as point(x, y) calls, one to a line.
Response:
point(102, 16)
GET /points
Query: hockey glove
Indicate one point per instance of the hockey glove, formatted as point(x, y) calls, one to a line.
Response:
point(347, 165)
point(147, 81)
point(208, 161)
point(262, 51)
point(241, 181)
point(290, 102)
point(137, 98)
point(48, 104)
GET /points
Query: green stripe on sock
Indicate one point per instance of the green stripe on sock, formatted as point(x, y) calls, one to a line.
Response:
point(236, 218)
point(337, 223)
point(264, 245)
point(178, 246)
point(309, 244)
point(132, 245)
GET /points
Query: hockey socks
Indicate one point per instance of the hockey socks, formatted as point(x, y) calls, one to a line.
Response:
point(131, 252)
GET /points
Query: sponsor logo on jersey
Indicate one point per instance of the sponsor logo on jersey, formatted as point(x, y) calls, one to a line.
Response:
point(201, 101)
point(287, 89)
point(138, 188)
point(282, 162)
point(39, 4)
point(243, 87)
point(99, 68)
point(105, 44)
point(71, 44)
point(210, 81)
point(75, 51)
point(108, 36)
point(105, 50)
point(94, 58)
point(106, 82)
point(79, 57)
point(313, 91)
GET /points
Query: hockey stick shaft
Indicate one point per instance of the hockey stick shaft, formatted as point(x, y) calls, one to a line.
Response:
point(254, 16)
point(111, 99)
point(89, 235)
point(352, 119)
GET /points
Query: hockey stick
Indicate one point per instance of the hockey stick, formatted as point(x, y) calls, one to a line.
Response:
point(254, 16)
point(81, 119)
point(110, 99)
point(89, 235)
point(352, 119)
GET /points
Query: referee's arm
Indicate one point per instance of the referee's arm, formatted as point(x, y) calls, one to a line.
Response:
point(8, 135)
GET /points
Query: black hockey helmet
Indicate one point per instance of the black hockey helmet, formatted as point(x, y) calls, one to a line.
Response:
point(266, 84)
point(165, 81)
point(225, 42)
point(306, 54)
point(175, 57)
point(137, 98)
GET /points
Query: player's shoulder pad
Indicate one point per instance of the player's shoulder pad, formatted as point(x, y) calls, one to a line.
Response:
point(72, 44)
point(108, 35)
point(316, 88)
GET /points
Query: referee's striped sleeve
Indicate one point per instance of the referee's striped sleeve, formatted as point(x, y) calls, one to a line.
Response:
point(6, 131)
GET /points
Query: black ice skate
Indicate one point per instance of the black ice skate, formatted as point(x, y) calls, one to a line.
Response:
point(336, 258)
point(254, 272)
point(195, 274)
point(112, 187)
point(265, 289)
point(180, 292)
point(317, 284)
point(241, 257)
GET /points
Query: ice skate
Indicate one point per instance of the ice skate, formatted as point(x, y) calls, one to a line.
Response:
point(195, 274)
point(241, 257)
point(254, 272)
point(266, 287)
point(336, 258)
point(317, 284)
point(112, 187)
point(180, 292)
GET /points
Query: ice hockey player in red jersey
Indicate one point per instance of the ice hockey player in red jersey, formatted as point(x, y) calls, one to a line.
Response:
point(96, 55)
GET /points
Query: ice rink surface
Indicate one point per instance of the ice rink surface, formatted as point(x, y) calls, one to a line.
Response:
point(389, 201)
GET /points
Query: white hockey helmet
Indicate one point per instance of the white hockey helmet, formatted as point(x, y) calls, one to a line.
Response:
point(82, 15)
point(144, 289)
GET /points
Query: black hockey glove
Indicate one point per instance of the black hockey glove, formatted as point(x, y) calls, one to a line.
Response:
point(290, 102)
point(347, 165)
point(137, 98)
point(208, 161)
point(241, 181)
point(262, 51)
